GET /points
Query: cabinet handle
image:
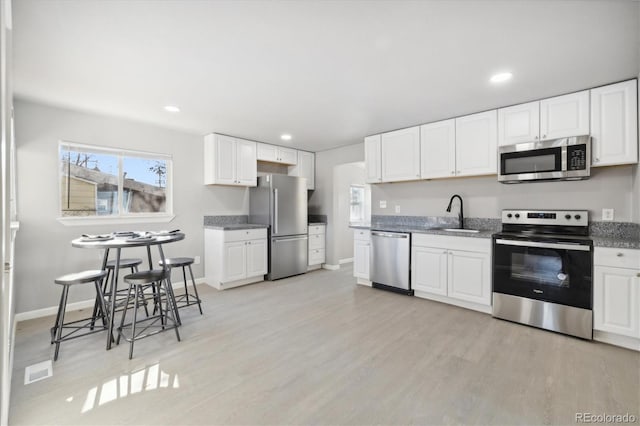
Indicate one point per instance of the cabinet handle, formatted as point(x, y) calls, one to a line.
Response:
point(453, 172)
point(457, 172)
point(595, 160)
point(536, 138)
point(544, 136)
point(444, 252)
point(620, 254)
point(249, 242)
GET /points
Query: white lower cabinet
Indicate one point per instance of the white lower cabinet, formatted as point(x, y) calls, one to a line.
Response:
point(316, 245)
point(616, 296)
point(454, 270)
point(361, 255)
point(234, 258)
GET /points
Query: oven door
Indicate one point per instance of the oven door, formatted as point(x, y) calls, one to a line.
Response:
point(557, 272)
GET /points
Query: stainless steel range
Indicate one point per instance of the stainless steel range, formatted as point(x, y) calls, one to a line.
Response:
point(543, 270)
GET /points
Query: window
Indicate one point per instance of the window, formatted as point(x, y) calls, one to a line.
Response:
point(107, 183)
point(360, 204)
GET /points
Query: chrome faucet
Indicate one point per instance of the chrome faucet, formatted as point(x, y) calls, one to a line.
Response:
point(461, 214)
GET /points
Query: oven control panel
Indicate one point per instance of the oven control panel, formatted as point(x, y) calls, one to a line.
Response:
point(546, 217)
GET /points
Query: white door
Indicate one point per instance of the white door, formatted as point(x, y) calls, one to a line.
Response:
point(438, 149)
point(305, 168)
point(477, 144)
point(361, 252)
point(429, 270)
point(469, 276)
point(616, 301)
point(225, 160)
point(372, 151)
point(246, 163)
point(614, 132)
point(564, 116)
point(287, 156)
point(266, 152)
point(235, 261)
point(519, 123)
point(401, 155)
point(256, 258)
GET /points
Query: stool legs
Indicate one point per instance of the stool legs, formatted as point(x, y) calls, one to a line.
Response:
point(60, 320)
point(195, 289)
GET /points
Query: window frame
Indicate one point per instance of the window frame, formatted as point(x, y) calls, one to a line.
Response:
point(120, 218)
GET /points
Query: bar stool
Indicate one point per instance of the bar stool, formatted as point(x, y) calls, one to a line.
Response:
point(138, 282)
point(185, 299)
point(67, 281)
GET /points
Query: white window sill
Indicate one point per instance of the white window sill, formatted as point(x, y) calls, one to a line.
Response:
point(95, 220)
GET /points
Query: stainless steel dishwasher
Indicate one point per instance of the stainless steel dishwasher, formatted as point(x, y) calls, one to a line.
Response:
point(390, 261)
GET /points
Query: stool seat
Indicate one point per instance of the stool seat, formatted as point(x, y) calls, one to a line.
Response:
point(124, 263)
point(177, 261)
point(81, 277)
point(145, 277)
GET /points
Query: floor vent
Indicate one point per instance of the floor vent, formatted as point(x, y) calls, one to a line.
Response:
point(39, 371)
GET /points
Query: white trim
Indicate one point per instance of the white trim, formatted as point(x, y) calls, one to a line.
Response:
point(97, 149)
point(362, 281)
point(455, 302)
point(617, 340)
point(331, 267)
point(103, 220)
point(75, 306)
point(233, 284)
point(347, 260)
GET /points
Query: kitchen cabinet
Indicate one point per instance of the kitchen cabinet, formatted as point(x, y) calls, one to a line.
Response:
point(316, 244)
point(476, 144)
point(276, 154)
point(361, 255)
point(372, 160)
point(552, 118)
point(400, 155)
point(614, 124)
point(229, 161)
point(616, 294)
point(305, 167)
point(454, 270)
point(438, 149)
point(233, 258)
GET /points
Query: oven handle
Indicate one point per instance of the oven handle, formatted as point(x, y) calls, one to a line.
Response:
point(543, 245)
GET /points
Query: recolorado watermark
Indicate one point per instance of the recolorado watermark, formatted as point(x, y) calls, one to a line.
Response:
point(606, 418)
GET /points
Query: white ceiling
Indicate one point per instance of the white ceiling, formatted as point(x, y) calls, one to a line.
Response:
point(328, 72)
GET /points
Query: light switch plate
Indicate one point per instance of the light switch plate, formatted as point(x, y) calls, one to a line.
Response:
point(397, 209)
point(196, 260)
point(607, 214)
point(383, 204)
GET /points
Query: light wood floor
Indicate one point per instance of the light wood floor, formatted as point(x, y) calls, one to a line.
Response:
point(317, 349)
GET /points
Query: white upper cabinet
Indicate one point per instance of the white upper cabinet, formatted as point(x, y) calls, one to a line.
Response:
point(277, 154)
point(476, 144)
point(229, 161)
point(519, 123)
point(438, 149)
point(614, 130)
point(373, 165)
point(564, 116)
point(306, 168)
point(401, 155)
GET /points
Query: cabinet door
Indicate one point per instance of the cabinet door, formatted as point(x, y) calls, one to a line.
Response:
point(519, 123)
point(614, 124)
point(266, 152)
point(361, 253)
point(373, 166)
point(401, 155)
point(234, 261)
point(287, 156)
point(616, 302)
point(305, 168)
point(564, 116)
point(225, 164)
point(469, 276)
point(256, 257)
point(477, 144)
point(246, 163)
point(438, 149)
point(429, 270)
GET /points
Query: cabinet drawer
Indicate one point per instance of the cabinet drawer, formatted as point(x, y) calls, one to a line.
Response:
point(361, 234)
point(316, 229)
point(316, 256)
point(316, 241)
point(620, 258)
point(245, 234)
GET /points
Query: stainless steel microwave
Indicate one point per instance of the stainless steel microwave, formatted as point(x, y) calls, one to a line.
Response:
point(557, 159)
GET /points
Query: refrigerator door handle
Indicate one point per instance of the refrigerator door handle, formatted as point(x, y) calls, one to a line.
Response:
point(275, 211)
point(282, 240)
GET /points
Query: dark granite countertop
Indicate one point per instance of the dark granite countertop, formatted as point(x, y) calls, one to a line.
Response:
point(316, 223)
point(235, 226)
point(616, 242)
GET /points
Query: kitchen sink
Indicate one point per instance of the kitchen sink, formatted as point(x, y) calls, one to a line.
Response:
point(470, 231)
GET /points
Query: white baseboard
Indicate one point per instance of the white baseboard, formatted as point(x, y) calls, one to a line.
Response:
point(617, 340)
point(362, 281)
point(331, 267)
point(343, 261)
point(83, 304)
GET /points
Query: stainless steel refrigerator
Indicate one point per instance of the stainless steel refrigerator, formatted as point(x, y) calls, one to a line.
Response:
point(280, 201)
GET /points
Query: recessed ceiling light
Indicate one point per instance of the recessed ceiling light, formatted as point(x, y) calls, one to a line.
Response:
point(501, 77)
point(171, 108)
point(285, 137)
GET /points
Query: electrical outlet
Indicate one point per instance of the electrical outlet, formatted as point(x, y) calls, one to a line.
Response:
point(196, 260)
point(607, 214)
point(397, 209)
point(383, 204)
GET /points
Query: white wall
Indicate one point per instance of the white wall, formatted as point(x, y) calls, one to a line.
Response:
point(610, 187)
point(43, 249)
point(343, 176)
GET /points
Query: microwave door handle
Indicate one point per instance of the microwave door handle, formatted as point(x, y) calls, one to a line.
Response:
point(563, 159)
point(537, 244)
